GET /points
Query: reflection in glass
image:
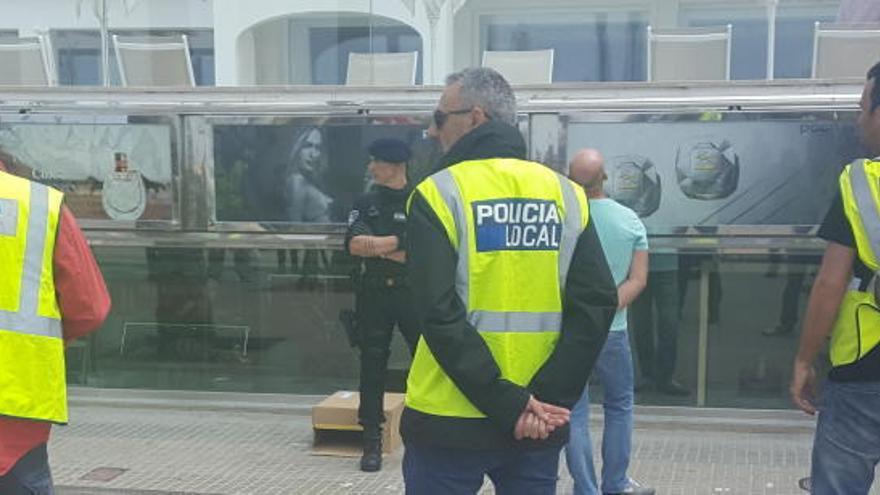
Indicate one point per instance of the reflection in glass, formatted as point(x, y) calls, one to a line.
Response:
point(797, 271)
point(655, 321)
point(588, 46)
point(754, 338)
point(224, 320)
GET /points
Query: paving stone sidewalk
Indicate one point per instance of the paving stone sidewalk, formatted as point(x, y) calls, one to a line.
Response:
point(250, 445)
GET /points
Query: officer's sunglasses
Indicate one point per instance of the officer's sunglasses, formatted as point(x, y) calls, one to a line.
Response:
point(440, 117)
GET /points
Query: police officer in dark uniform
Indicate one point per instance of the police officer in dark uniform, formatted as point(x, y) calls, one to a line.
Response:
point(376, 233)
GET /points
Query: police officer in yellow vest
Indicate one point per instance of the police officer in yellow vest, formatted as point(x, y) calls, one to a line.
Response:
point(844, 304)
point(514, 298)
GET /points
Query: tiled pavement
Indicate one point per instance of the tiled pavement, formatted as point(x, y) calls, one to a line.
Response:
point(179, 442)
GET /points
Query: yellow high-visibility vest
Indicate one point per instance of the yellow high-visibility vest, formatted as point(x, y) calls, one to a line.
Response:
point(857, 329)
point(514, 225)
point(32, 378)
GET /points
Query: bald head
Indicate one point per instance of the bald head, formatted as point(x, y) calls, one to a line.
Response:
point(587, 168)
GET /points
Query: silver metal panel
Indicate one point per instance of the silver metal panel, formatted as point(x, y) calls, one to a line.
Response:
point(322, 238)
point(106, 238)
point(197, 177)
point(546, 112)
point(340, 99)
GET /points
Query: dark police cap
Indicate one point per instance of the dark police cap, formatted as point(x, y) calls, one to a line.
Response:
point(390, 150)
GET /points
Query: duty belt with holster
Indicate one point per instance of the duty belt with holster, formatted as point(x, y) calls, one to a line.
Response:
point(370, 281)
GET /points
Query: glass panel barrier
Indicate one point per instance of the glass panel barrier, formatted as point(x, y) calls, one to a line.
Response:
point(242, 289)
point(225, 320)
point(755, 311)
point(753, 306)
point(268, 321)
point(663, 329)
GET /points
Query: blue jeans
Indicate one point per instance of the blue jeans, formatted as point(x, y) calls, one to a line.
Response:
point(430, 471)
point(29, 476)
point(847, 443)
point(614, 370)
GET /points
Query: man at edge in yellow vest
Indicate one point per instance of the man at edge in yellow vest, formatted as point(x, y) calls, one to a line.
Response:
point(843, 304)
point(51, 292)
point(509, 331)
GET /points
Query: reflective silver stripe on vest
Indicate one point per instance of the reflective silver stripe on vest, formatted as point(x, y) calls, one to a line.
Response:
point(452, 196)
point(515, 321)
point(26, 320)
point(571, 230)
point(865, 201)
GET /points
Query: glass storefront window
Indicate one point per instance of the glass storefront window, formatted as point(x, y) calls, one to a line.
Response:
point(330, 47)
point(748, 58)
point(274, 42)
point(587, 47)
point(794, 31)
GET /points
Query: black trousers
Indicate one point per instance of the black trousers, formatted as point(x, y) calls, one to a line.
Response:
point(657, 340)
point(379, 309)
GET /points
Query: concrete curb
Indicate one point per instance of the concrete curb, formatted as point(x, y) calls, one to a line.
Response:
point(184, 400)
point(646, 417)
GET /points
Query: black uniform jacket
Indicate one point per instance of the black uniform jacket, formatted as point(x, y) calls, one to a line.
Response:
point(589, 304)
point(380, 212)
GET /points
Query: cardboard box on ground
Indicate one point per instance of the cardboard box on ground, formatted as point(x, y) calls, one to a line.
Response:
point(336, 428)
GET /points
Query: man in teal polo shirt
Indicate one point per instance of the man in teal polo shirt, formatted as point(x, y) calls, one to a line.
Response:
point(625, 244)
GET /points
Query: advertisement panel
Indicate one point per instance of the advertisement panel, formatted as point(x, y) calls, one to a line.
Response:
point(304, 170)
point(106, 171)
point(757, 170)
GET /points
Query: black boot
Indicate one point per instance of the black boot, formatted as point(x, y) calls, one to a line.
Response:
point(371, 461)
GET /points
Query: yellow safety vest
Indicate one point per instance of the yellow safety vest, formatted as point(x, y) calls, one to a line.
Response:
point(32, 379)
point(514, 225)
point(857, 329)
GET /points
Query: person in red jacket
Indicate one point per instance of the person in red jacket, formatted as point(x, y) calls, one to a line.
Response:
point(83, 302)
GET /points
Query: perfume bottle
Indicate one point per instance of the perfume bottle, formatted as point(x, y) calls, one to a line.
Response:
point(120, 162)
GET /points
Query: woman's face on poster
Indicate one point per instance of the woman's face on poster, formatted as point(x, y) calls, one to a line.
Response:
point(309, 158)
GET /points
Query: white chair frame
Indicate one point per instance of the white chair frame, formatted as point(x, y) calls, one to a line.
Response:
point(372, 57)
point(44, 44)
point(840, 31)
point(550, 53)
point(131, 44)
point(690, 35)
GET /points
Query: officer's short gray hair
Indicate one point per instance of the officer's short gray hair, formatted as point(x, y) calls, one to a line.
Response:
point(486, 88)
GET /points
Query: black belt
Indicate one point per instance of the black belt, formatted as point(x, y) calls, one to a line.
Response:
point(385, 281)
